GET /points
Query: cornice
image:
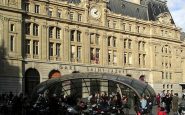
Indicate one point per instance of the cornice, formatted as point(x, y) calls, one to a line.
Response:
point(7, 8)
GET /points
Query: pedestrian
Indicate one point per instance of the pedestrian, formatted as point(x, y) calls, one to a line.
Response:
point(143, 105)
point(149, 104)
point(175, 101)
point(167, 101)
point(158, 98)
point(161, 111)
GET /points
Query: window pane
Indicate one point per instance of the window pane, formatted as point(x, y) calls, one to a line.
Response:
point(72, 35)
point(11, 43)
point(58, 49)
point(27, 45)
point(35, 47)
point(50, 49)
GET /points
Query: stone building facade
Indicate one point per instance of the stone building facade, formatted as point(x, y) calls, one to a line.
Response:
point(40, 39)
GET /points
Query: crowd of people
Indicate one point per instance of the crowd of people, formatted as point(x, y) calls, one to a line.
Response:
point(53, 104)
point(11, 104)
point(167, 102)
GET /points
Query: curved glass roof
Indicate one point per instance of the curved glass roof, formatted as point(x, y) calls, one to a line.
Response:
point(86, 83)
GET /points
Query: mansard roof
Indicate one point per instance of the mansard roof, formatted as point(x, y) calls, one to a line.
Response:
point(147, 10)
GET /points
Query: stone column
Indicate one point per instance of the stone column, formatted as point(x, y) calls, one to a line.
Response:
point(104, 50)
point(44, 42)
point(135, 53)
point(6, 35)
point(18, 42)
point(67, 48)
point(120, 51)
point(86, 45)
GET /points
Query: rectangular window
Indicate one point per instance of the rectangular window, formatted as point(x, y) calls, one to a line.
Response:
point(37, 8)
point(143, 46)
point(27, 7)
point(109, 55)
point(27, 28)
point(129, 44)
point(97, 39)
point(129, 58)
point(73, 53)
point(124, 26)
point(27, 46)
point(166, 75)
point(162, 75)
point(92, 54)
point(79, 48)
point(72, 37)
point(58, 49)
point(51, 32)
point(144, 59)
point(108, 23)
point(35, 47)
point(79, 17)
point(109, 41)
point(50, 12)
point(114, 24)
point(50, 49)
point(12, 27)
point(59, 14)
point(35, 29)
point(114, 57)
point(130, 27)
point(162, 32)
point(58, 33)
point(125, 58)
point(71, 15)
point(138, 29)
point(11, 43)
point(139, 59)
point(114, 41)
point(97, 55)
point(125, 43)
point(139, 45)
point(78, 36)
point(91, 38)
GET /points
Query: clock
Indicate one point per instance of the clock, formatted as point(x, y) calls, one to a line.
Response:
point(95, 13)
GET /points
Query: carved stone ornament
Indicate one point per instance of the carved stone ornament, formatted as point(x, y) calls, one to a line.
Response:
point(164, 18)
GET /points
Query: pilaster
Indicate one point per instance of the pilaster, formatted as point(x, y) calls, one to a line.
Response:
point(87, 47)
point(6, 35)
point(67, 48)
point(44, 43)
point(120, 50)
point(104, 50)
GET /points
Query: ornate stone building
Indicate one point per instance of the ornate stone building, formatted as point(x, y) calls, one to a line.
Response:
point(40, 39)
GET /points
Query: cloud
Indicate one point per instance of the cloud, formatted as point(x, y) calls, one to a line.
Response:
point(177, 9)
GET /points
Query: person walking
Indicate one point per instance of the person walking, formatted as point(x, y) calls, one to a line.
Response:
point(175, 101)
point(143, 106)
point(161, 111)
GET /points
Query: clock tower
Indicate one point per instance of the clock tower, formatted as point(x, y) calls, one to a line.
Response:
point(97, 11)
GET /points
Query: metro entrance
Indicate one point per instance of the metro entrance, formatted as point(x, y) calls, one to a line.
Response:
point(83, 86)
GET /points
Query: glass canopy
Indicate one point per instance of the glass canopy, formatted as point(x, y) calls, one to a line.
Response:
point(83, 84)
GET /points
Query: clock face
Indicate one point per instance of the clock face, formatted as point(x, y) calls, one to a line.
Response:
point(95, 13)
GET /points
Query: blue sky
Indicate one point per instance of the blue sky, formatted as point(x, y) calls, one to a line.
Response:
point(177, 9)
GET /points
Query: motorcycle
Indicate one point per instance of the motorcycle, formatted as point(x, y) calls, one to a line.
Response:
point(181, 108)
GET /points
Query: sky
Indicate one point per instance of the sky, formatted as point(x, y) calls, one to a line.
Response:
point(177, 9)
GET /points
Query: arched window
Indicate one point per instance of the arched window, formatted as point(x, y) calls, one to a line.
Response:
point(32, 78)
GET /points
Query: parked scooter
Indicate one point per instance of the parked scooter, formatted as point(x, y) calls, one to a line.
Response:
point(181, 108)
